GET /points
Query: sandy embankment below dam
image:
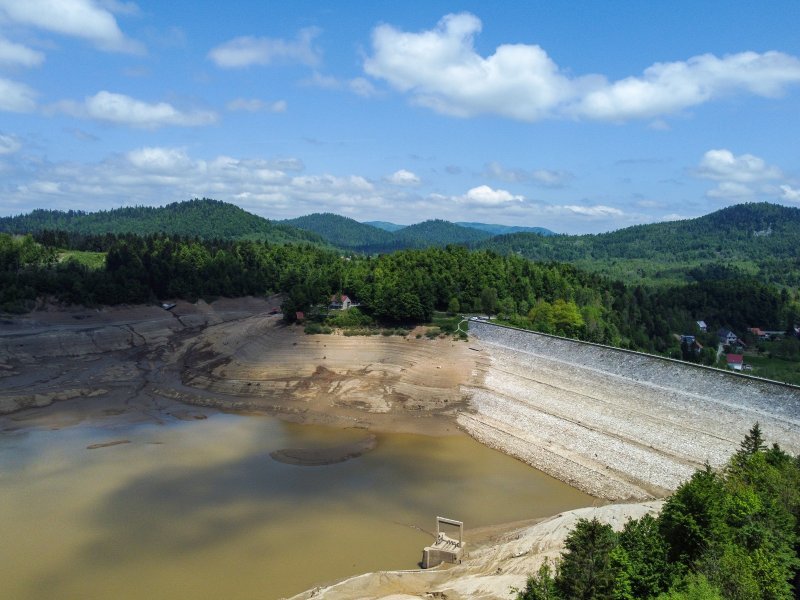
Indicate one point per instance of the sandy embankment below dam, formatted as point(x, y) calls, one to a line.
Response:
point(610, 434)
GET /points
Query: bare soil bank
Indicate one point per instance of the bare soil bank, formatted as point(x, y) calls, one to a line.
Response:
point(144, 363)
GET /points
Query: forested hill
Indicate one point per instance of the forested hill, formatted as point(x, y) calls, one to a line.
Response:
point(344, 232)
point(758, 240)
point(207, 219)
point(349, 234)
point(438, 233)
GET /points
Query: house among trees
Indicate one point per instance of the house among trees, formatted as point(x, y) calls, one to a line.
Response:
point(727, 337)
point(340, 302)
point(702, 326)
point(759, 333)
point(735, 361)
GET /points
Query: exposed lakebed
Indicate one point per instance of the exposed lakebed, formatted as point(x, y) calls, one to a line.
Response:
point(200, 509)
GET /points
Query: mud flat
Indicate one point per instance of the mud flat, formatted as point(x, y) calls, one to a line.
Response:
point(315, 457)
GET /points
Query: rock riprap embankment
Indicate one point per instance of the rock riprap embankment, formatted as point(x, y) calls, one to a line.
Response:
point(616, 424)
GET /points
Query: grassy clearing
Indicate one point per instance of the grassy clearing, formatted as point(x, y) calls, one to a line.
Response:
point(91, 260)
point(777, 369)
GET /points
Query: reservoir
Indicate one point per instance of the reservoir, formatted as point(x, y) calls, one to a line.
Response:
point(200, 509)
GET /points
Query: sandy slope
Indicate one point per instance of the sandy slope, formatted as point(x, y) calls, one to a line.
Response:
point(490, 569)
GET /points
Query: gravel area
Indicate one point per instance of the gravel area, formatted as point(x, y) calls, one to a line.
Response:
point(616, 424)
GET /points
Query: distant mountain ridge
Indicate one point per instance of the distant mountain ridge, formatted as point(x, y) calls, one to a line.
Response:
point(754, 239)
point(491, 228)
point(757, 240)
point(349, 234)
point(505, 229)
point(204, 218)
point(385, 225)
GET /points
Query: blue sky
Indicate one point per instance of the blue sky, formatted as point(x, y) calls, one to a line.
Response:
point(579, 116)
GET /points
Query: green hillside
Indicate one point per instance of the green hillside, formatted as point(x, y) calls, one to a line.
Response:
point(438, 233)
point(758, 240)
point(344, 232)
point(208, 219)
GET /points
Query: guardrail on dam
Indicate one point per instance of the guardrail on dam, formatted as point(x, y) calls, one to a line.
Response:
point(709, 382)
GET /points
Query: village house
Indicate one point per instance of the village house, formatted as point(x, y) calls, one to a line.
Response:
point(727, 337)
point(701, 325)
point(759, 333)
point(735, 361)
point(340, 302)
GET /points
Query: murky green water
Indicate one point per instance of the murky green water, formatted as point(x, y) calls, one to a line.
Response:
point(199, 510)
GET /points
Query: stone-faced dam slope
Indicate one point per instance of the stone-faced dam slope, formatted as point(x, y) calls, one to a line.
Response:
point(615, 423)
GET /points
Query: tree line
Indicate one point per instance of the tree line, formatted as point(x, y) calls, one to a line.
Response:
point(398, 288)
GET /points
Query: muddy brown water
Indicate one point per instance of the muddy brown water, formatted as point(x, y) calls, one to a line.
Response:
point(200, 510)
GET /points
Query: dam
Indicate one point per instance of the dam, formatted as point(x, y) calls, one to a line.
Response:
point(616, 423)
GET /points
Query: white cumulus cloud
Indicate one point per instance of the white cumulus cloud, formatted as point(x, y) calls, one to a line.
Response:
point(246, 51)
point(483, 195)
point(666, 88)
point(403, 178)
point(157, 159)
point(722, 165)
point(15, 54)
point(16, 97)
point(441, 70)
point(83, 19)
point(789, 193)
point(124, 110)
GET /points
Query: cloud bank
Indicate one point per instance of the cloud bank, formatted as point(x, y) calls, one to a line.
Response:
point(441, 70)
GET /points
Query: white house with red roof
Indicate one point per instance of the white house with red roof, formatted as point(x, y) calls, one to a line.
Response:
point(735, 361)
point(340, 302)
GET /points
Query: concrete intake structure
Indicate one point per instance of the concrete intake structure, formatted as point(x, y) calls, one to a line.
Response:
point(615, 423)
point(445, 548)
